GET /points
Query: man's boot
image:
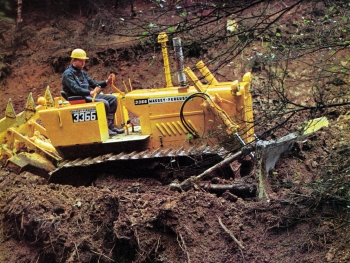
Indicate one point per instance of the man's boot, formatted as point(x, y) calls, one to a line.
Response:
point(111, 126)
point(111, 133)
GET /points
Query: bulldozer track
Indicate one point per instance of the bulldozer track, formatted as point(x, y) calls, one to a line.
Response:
point(196, 156)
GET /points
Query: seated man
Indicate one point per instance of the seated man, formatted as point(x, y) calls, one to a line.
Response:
point(76, 82)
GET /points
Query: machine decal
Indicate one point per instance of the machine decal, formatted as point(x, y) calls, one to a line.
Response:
point(141, 101)
point(84, 115)
point(160, 100)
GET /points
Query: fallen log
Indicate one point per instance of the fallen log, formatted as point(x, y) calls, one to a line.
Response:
point(239, 188)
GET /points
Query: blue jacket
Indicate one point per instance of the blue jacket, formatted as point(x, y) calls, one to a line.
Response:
point(76, 82)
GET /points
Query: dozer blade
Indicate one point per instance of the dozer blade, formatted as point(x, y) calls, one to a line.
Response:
point(31, 162)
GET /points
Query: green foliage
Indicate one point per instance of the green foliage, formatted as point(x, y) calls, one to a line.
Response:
point(144, 34)
point(189, 136)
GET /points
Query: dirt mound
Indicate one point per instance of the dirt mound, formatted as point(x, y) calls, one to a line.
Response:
point(141, 220)
point(144, 222)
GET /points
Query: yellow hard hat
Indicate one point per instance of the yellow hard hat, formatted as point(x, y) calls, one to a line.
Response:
point(79, 53)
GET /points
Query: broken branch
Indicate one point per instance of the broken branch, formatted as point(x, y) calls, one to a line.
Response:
point(188, 183)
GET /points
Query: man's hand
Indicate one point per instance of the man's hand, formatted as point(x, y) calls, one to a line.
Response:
point(97, 90)
point(109, 80)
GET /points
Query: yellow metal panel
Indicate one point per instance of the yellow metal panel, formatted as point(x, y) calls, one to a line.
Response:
point(161, 129)
point(249, 135)
point(76, 124)
point(122, 115)
point(171, 128)
point(192, 125)
point(177, 127)
point(6, 123)
point(159, 109)
point(182, 127)
point(177, 115)
point(166, 128)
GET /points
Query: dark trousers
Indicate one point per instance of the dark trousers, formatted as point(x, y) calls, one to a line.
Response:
point(110, 102)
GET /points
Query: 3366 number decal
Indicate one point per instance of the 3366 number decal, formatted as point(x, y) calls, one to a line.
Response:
point(84, 115)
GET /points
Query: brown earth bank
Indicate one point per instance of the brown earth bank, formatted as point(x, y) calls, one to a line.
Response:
point(137, 217)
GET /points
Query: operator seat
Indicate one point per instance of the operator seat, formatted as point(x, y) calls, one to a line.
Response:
point(73, 99)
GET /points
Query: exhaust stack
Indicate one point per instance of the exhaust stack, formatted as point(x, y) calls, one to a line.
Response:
point(179, 61)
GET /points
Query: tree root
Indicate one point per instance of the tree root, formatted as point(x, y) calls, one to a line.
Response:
point(184, 248)
point(229, 232)
point(100, 254)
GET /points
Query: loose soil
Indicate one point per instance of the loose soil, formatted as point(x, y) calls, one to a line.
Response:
point(139, 218)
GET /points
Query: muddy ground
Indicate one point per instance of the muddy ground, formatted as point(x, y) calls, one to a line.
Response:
point(139, 218)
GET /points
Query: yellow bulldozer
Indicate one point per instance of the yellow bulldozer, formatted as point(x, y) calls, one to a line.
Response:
point(63, 137)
